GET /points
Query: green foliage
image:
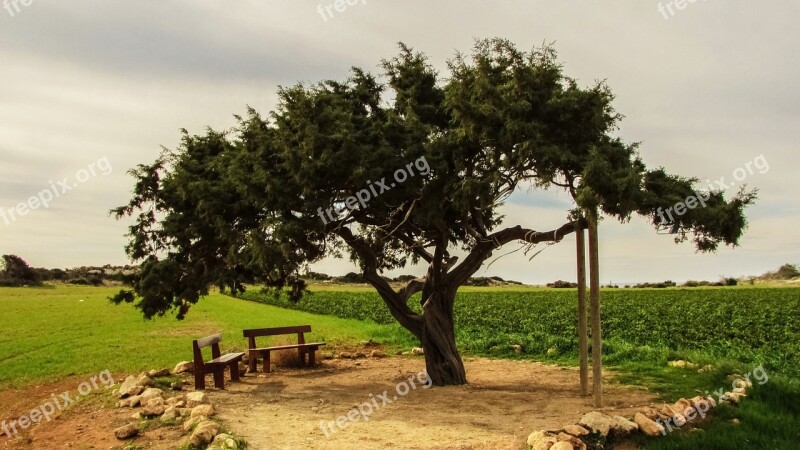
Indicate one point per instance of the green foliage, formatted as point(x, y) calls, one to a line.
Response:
point(746, 325)
point(16, 272)
point(351, 277)
point(244, 205)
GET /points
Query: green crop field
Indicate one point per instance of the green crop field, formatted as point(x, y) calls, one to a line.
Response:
point(748, 325)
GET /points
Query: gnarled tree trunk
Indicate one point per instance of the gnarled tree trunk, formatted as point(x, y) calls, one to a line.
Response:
point(443, 362)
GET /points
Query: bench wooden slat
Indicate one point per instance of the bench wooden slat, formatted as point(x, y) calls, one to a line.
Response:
point(277, 331)
point(226, 358)
point(287, 347)
point(308, 350)
point(210, 340)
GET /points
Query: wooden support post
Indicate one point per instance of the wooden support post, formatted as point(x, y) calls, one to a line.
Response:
point(583, 332)
point(594, 281)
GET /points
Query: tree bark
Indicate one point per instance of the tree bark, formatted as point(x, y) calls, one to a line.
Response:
point(442, 360)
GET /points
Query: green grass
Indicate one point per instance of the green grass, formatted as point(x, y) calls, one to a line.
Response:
point(768, 419)
point(49, 333)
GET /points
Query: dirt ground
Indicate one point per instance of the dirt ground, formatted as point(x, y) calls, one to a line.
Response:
point(503, 403)
point(86, 424)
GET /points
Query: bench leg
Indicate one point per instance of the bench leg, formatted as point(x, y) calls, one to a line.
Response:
point(252, 360)
point(312, 358)
point(219, 377)
point(234, 370)
point(266, 362)
point(199, 378)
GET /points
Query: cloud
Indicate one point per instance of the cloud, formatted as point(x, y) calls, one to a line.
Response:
point(704, 91)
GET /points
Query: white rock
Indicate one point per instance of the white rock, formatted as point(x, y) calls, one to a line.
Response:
point(597, 422)
point(125, 390)
point(196, 398)
point(561, 445)
point(149, 394)
point(622, 427)
point(576, 430)
point(539, 440)
point(204, 433)
point(145, 381)
point(126, 432)
point(170, 413)
point(183, 367)
point(203, 410)
point(648, 427)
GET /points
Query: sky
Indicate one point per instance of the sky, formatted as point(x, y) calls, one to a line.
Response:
point(90, 89)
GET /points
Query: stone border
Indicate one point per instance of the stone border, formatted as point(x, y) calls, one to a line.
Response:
point(192, 408)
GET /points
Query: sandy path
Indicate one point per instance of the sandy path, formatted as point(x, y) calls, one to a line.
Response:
point(503, 403)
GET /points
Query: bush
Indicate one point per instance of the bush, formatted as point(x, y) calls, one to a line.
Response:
point(561, 284)
point(787, 272)
point(317, 276)
point(17, 272)
point(405, 278)
point(92, 280)
point(662, 285)
point(351, 277)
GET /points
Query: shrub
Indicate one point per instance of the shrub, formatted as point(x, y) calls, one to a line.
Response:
point(351, 277)
point(17, 272)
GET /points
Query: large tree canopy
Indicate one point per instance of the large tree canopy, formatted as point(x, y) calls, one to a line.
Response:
point(246, 205)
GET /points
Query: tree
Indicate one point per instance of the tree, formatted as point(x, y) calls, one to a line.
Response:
point(16, 272)
point(253, 202)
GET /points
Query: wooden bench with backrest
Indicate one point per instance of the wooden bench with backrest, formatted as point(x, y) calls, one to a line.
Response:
point(216, 365)
point(303, 348)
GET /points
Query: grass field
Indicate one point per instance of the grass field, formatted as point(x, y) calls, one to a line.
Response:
point(50, 333)
point(53, 332)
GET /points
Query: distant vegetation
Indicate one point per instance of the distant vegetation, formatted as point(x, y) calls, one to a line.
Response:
point(785, 272)
point(355, 278)
point(16, 273)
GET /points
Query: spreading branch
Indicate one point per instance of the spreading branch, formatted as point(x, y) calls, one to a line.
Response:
point(397, 305)
point(483, 251)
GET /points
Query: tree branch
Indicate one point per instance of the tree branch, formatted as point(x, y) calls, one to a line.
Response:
point(461, 273)
point(412, 288)
point(397, 305)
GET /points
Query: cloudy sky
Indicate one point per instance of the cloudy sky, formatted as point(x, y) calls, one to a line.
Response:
point(89, 89)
